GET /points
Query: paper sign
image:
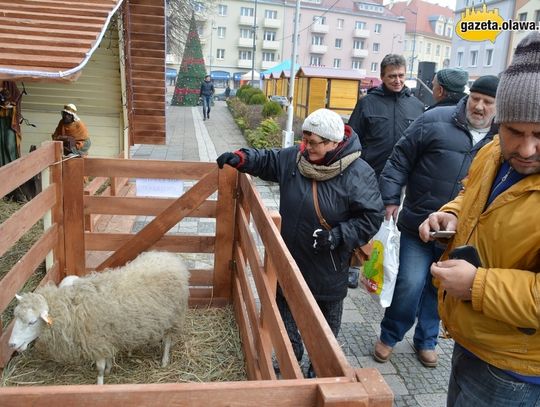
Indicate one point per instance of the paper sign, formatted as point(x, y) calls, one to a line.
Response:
point(163, 188)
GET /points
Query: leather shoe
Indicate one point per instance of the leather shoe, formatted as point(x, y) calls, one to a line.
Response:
point(428, 357)
point(382, 352)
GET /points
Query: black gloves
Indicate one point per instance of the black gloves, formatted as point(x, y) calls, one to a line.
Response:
point(228, 158)
point(325, 240)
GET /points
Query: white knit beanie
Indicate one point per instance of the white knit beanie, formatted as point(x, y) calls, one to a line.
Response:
point(326, 124)
point(518, 94)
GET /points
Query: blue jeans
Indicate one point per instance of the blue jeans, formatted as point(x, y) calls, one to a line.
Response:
point(479, 384)
point(206, 103)
point(414, 295)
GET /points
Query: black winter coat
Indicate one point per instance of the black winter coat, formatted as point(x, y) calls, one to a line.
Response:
point(380, 119)
point(207, 89)
point(431, 159)
point(350, 203)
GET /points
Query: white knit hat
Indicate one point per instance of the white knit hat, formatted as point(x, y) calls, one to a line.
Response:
point(326, 124)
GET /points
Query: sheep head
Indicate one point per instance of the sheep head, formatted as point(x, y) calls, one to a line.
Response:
point(31, 314)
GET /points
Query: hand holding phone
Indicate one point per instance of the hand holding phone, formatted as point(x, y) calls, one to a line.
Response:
point(442, 234)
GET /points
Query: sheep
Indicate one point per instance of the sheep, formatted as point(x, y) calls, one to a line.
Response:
point(68, 281)
point(120, 309)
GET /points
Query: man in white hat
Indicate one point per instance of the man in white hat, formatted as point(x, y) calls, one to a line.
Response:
point(72, 132)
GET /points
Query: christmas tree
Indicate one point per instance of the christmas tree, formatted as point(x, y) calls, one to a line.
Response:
point(192, 70)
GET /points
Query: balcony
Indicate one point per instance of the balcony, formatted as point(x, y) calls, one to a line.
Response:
point(247, 20)
point(245, 42)
point(320, 28)
point(318, 49)
point(273, 45)
point(359, 33)
point(268, 64)
point(271, 23)
point(244, 63)
point(360, 53)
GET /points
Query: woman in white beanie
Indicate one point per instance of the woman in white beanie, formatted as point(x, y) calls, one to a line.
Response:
point(349, 201)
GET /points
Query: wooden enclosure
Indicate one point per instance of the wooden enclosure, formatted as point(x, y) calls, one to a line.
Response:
point(334, 89)
point(244, 273)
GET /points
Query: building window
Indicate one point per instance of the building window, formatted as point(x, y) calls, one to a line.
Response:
point(437, 50)
point(374, 66)
point(474, 58)
point(405, 45)
point(356, 64)
point(428, 48)
point(360, 25)
point(337, 63)
point(317, 40)
point(244, 55)
point(221, 32)
point(246, 33)
point(460, 58)
point(378, 28)
point(448, 31)
point(447, 52)
point(338, 43)
point(489, 57)
point(358, 44)
point(522, 16)
point(376, 47)
point(269, 56)
point(222, 10)
point(319, 19)
point(269, 35)
point(340, 23)
point(246, 11)
point(537, 17)
point(439, 29)
point(220, 54)
point(315, 60)
point(270, 14)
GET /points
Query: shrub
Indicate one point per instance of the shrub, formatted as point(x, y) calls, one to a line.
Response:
point(272, 109)
point(267, 135)
point(246, 95)
point(257, 99)
point(242, 89)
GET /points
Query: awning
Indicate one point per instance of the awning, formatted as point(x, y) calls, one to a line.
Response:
point(238, 75)
point(220, 75)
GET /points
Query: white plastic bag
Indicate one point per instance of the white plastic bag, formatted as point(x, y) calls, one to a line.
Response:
point(380, 271)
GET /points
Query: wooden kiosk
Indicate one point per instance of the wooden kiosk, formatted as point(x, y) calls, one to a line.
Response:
point(238, 209)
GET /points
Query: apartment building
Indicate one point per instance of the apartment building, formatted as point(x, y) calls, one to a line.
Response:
point(524, 10)
point(238, 35)
point(485, 57)
point(428, 35)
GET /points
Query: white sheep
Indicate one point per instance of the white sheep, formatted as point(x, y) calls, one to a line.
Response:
point(117, 310)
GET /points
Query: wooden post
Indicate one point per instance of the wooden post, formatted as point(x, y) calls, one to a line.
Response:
point(57, 213)
point(227, 184)
point(73, 191)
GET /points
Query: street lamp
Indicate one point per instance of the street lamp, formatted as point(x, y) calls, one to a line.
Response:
point(414, 41)
point(212, 28)
point(253, 50)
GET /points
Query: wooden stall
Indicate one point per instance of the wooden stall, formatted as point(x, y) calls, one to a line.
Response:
point(282, 82)
point(335, 89)
point(243, 274)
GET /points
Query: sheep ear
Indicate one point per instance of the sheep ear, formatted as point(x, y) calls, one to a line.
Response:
point(19, 297)
point(46, 317)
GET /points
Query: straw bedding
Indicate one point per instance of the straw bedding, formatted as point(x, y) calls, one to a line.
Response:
point(209, 350)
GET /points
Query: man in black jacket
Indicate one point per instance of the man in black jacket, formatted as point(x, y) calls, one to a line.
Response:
point(449, 86)
point(431, 159)
point(206, 93)
point(381, 117)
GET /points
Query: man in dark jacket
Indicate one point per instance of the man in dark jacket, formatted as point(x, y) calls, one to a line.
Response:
point(431, 159)
point(449, 86)
point(206, 93)
point(349, 200)
point(381, 117)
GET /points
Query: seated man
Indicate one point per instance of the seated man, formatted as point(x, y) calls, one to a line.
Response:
point(72, 132)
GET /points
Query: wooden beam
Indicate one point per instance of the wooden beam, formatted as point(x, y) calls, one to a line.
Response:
point(153, 232)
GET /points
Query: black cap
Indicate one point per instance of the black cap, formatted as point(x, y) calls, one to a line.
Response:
point(486, 85)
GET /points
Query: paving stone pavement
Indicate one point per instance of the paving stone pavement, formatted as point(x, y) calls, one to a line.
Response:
point(192, 139)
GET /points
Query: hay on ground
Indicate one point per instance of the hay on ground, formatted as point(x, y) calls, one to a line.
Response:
point(209, 350)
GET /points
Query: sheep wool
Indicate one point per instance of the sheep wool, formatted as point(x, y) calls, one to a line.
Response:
point(116, 310)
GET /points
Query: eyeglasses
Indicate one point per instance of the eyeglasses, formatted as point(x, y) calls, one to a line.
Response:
point(312, 143)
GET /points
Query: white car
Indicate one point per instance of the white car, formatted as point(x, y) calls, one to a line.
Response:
point(282, 100)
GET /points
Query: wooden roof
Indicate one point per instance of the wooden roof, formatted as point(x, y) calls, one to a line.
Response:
point(50, 39)
point(330, 73)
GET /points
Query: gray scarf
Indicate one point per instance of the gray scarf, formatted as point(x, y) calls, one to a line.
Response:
point(324, 172)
